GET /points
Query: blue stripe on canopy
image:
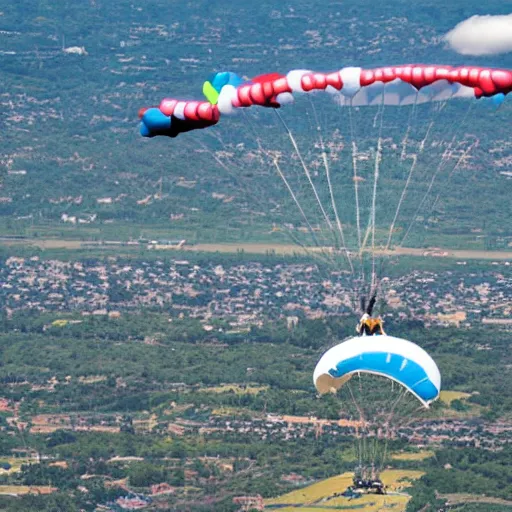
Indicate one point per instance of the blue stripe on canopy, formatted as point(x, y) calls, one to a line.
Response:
point(397, 367)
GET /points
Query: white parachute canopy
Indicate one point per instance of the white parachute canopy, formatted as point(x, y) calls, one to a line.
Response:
point(397, 359)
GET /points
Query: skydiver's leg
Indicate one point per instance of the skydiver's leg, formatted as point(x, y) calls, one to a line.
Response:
point(371, 304)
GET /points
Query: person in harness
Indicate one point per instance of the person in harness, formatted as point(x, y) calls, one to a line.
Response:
point(369, 326)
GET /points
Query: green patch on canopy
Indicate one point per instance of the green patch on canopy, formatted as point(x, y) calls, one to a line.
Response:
point(210, 93)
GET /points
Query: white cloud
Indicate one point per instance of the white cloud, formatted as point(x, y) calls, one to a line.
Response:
point(482, 35)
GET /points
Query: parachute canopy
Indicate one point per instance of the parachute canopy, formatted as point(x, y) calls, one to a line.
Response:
point(397, 359)
point(393, 85)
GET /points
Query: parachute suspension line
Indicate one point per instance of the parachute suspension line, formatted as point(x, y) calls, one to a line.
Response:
point(294, 197)
point(360, 411)
point(361, 438)
point(236, 176)
point(414, 157)
point(389, 417)
point(285, 181)
point(289, 232)
point(387, 427)
point(405, 140)
point(356, 177)
point(456, 166)
point(376, 446)
point(370, 230)
point(385, 451)
point(244, 187)
point(403, 156)
point(378, 158)
point(305, 168)
point(361, 449)
point(442, 164)
point(380, 108)
point(325, 258)
point(387, 436)
point(223, 164)
point(423, 142)
point(331, 193)
point(248, 189)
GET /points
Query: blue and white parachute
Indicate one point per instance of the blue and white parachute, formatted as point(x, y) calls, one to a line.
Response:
point(394, 358)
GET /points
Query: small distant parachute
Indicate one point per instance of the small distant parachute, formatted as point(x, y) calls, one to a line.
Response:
point(173, 117)
point(393, 358)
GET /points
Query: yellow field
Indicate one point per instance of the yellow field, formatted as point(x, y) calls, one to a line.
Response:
point(18, 490)
point(413, 456)
point(60, 323)
point(449, 396)
point(319, 494)
point(233, 411)
point(236, 388)
point(398, 479)
point(15, 463)
point(314, 492)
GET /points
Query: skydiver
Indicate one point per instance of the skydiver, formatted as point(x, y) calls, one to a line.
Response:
point(367, 325)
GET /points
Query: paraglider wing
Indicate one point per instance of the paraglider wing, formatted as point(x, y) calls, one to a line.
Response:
point(395, 358)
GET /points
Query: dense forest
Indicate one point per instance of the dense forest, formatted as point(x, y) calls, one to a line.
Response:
point(138, 374)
